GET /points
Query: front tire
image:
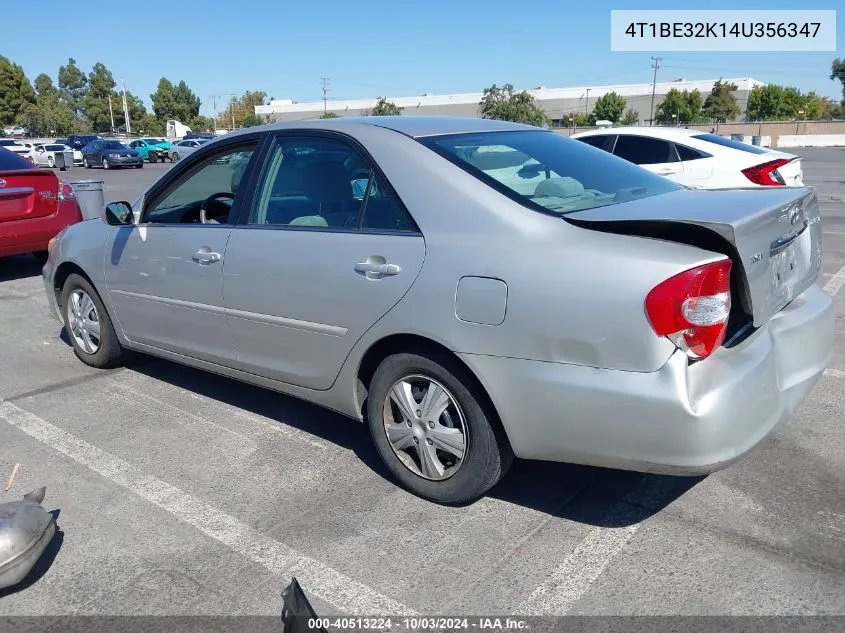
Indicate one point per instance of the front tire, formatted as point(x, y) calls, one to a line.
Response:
point(106, 164)
point(51, 163)
point(433, 430)
point(174, 157)
point(85, 163)
point(89, 327)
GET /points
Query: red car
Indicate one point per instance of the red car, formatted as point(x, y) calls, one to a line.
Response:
point(34, 206)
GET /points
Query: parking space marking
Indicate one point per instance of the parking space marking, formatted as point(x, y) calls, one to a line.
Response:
point(574, 577)
point(347, 595)
point(834, 373)
point(835, 283)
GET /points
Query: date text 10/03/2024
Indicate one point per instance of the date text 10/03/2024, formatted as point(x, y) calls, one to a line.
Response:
point(418, 623)
point(723, 29)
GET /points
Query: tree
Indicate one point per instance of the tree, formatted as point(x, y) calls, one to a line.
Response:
point(721, 105)
point(201, 124)
point(773, 102)
point(240, 108)
point(174, 102)
point(44, 88)
point(679, 107)
point(150, 125)
point(73, 85)
point(814, 105)
point(251, 120)
point(504, 104)
point(96, 102)
point(609, 107)
point(837, 71)
point(16, 93)
point(632, 117)
point(384, 107)
point(329, 115)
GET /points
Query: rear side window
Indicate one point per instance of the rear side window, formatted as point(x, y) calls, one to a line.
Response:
point(548, 172)
point(327, 183)
point(688, 153)
point(10, 161)
point(643, 150)
point(726, 142)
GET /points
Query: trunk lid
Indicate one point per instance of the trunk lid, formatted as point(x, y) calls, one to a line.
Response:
point(27, 194)
point(774, 236)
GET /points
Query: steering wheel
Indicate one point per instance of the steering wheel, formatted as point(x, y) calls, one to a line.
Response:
point(203, 209)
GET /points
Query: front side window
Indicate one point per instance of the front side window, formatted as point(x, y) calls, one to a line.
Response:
point(644, 150)
point(548, 172)
point(209, 187)
point(321, 182)
point(596, 141)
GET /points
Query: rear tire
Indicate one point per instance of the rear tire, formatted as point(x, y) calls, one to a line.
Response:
point(41, 256)
point(174, 157)
point(486, 454)
point(105, 351)
point(51, 163)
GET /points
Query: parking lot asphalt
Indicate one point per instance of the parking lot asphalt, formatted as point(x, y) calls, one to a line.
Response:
point(182, 492)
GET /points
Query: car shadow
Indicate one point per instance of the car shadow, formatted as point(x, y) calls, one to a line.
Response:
point(586, 494)
point(45, 561)
point(19, 267)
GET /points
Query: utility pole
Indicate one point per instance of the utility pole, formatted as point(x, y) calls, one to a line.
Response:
point(587, 102)
point(126, 110)
point(324, 83)
point(232, 109)
point(111, 114)
point(214, 99)
point(655, 65)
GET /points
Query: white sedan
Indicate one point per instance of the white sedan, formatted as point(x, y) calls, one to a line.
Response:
point(48, 155)
point(698, 159)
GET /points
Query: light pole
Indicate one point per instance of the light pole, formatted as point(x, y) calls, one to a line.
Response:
point(587, 102)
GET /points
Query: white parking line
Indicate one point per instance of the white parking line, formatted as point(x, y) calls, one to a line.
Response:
point(573, 578)
point(342, 592)
point(835, 283)
point(834, 373)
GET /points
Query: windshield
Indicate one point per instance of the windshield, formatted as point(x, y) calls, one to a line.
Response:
point(151, 141)
point(548, 172)
point(7, 142)
point(726, 142)
point(54, 148)
point(113, 145)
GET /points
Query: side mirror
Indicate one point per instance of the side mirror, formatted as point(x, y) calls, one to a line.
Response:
point(118, 213)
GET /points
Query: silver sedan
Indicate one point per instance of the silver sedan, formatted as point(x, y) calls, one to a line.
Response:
point(184, 148)
point(473, 290)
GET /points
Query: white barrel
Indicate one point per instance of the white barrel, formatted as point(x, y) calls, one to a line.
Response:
point(89, 194)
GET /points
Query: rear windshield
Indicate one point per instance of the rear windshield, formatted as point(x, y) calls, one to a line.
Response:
point(10, 160)
point(726, 142)
point(54, 148)
point(548, 172)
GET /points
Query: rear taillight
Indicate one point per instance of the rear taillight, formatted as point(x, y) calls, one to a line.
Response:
point(65, 191)
point(767, 173)
point(692, 308)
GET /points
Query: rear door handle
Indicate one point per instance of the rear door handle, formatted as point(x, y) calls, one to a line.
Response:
point(377, 271)
point(206, 257)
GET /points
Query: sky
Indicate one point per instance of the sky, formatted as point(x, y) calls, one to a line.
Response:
point(369, 48)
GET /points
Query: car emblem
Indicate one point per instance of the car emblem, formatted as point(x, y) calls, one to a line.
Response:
point(2, 183)
point(756, 257)
point(794, 216)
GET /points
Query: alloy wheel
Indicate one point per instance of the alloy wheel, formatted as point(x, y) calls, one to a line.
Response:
point(425, 427)
point(83, 321)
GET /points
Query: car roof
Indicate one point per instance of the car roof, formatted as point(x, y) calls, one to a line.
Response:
point(657, 131)
point(413, 126)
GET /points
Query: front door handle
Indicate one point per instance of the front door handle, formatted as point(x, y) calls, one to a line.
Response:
point(377, 270)
point(206, 257)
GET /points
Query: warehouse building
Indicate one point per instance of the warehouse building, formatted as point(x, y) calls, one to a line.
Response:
point(559, 103)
